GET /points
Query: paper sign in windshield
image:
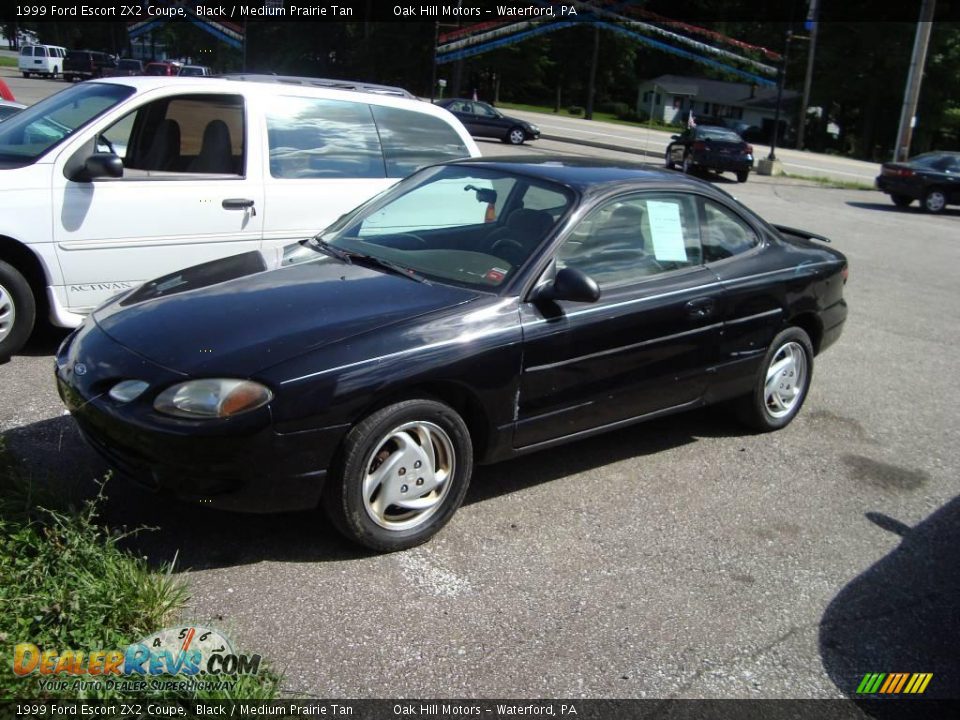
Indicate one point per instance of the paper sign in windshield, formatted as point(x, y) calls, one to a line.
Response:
point(666, 231)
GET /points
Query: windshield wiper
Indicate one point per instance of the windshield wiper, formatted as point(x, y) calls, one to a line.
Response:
point(328, 249)
point(389, 265)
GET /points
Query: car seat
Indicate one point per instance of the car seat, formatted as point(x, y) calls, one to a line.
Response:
point(164, 152)
point(216, 155)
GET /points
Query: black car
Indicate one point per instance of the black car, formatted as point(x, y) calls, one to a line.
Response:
point(476, 311)
point(483, 120)
point(86, 64)
point(932, 178)
point(709, 147)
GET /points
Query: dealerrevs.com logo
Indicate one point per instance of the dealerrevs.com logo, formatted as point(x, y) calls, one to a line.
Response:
point(184, 658)
point(894, 683)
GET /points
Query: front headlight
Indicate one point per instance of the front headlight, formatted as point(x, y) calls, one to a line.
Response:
point(212, 398)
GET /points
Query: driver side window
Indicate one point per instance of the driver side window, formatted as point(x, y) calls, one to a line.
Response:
point(629, 239)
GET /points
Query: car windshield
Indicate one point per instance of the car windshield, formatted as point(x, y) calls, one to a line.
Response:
point(32, 132)
point(130, 65)
point(460, 225)
point(717, 133)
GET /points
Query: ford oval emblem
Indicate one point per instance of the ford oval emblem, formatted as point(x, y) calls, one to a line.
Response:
point(80, 369)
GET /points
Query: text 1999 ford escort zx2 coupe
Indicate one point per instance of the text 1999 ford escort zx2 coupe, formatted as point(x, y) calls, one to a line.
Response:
point(476, 311)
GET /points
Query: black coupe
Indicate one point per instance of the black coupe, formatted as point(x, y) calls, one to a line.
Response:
point(932, 178)
point(707, 147)
point(483, 120)
point(475, 311)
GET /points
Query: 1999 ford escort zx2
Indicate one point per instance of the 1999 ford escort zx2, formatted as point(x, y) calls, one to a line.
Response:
point(476, 311)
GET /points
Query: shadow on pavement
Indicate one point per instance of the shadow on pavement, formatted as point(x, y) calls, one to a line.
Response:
point(201, 538)
point(891, 208)
point(901, 616)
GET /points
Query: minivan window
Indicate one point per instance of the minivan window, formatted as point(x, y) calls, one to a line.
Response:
point(412, 140)
point(317, 138)
point(27, 51)
point(31, 133)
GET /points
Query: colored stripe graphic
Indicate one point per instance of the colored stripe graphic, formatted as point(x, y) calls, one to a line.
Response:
point(894, 683)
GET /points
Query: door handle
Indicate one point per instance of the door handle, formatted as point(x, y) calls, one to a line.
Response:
point(238, 204)
point(701, 308)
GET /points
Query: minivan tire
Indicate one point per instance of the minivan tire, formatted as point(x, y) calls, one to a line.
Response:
point(18, 311)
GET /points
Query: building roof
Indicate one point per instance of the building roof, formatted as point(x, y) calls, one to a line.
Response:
point(723, 91)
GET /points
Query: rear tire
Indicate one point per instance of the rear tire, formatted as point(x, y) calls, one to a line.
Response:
point(26, 76)
point(782, 383)
point(403, 473)
point(17, 311)
point(53, 75)
point(742, 176)
point(901, 201)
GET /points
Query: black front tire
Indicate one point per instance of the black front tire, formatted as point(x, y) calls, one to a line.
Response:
point(901, 201)
point(515, 136)
point(755, 410)
point(18, 311)
point(363, 447)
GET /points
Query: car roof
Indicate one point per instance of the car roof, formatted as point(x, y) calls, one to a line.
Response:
point(584, 174)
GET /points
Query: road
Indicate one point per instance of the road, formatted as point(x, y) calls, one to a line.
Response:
point(650, 143)
point(653, 143)
point(682, 558)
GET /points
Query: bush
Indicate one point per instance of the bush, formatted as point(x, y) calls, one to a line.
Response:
point(575, 110)
point(67, 582)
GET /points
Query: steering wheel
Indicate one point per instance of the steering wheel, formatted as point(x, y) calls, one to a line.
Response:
point(410, 236)
point(103, 139)
point(508, 250)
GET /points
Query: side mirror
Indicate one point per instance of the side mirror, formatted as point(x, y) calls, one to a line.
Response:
point(98, 165)
point(569, 284)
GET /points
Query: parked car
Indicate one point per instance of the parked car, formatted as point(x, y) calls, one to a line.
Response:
point(87, 64)
point(709, 147)
point(483, 120)
point(9, 108)
point(932, 178)
point(126, 67)
point(195, 71)
point(475, 312)
point(87, 207)
point(165, 68)
point(43, 60)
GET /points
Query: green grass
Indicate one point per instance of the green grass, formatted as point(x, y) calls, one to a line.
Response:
point(831, 183)
point(8, 61)
point(67, 582)
point(603, 117)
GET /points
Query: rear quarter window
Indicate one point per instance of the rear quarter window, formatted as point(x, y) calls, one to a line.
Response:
point(412, 140)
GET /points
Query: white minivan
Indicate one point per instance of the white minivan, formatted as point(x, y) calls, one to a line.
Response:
point(112, 182)
point(45, 60)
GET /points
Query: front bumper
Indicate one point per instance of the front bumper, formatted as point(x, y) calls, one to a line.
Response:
point(238, 463)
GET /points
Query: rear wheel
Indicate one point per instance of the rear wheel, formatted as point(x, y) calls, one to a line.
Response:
point(17, 311)
point(742, 175)
point(782, 384)
point(26, 75)
point(404, 472)
point(901, 201)
point(934, 201)
point(56, 71)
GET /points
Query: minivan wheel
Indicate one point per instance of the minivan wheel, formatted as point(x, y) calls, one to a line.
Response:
point(782, 383)
point(26, 75)
point(934, 201)
point(56, 71)
point(17, 311)
point(403, 473)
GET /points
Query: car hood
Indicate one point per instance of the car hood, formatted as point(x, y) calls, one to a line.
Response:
point(237, 316)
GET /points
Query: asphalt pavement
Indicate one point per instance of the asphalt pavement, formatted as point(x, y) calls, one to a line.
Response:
point(681, 558)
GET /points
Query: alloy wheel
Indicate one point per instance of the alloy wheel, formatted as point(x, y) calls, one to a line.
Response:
point(8, 313)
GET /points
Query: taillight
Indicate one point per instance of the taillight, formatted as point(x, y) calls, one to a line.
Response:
point(845, 273)
point(749, 149)
point(897, 172)
point(699, 146)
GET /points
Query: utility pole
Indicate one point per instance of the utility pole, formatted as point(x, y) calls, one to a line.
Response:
point(911, 94)
point(780, 84)
point(592, 84)
point(808, 80)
